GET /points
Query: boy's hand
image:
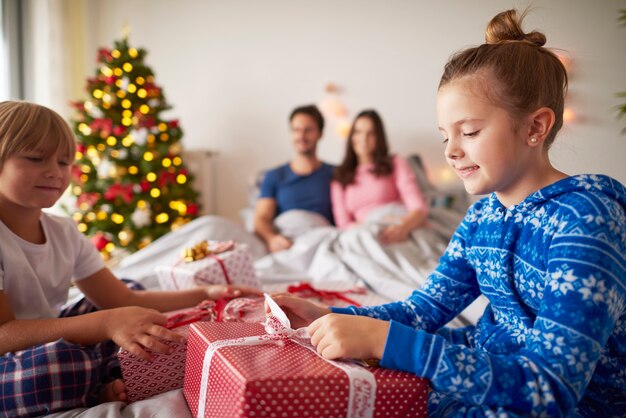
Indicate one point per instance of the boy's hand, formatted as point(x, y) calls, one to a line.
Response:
point(217, 291)
point(135, 329)
point(349, 336)
point(300, 312)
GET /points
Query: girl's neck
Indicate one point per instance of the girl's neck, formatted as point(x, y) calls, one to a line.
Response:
point(532, 183)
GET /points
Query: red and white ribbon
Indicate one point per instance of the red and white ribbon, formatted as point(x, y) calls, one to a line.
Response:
point(362, 393)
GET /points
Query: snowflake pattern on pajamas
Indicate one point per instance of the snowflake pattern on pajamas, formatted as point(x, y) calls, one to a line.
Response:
point(552, 341)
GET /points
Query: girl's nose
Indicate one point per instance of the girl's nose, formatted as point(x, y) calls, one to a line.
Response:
point(453, 151)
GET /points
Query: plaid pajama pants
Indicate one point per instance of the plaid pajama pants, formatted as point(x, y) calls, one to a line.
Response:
point(58, 375)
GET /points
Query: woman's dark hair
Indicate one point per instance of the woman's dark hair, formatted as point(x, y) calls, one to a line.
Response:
point(312, 111)
point(383, 165)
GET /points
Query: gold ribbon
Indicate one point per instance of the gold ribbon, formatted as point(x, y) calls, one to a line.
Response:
point(204, 249)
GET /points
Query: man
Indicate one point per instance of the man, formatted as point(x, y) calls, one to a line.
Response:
point(303, 183)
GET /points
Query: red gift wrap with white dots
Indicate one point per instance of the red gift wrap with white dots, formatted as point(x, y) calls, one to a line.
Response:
point(230, 267)
point(145, 379)
point(283, 379)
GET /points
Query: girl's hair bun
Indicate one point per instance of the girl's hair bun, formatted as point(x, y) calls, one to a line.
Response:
point(507, 27)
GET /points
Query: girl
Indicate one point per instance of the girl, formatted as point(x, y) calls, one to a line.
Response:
point(49, 363)
point(546, 249)
point(369, 178)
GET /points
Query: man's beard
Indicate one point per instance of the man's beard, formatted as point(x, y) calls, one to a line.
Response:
point(308, 152)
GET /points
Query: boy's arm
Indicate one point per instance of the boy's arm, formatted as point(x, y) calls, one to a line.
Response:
point(131, 328)
point(106, 291)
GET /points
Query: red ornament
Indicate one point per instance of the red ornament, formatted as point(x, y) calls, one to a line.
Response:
point(99, 240)
point(102, 125)
point(76, 173)
point(118, 130)
point(145, 186)
point(89, 198)
point(166, 178)
point(80, 106)
point(146, 121)
point(110, 80)
point(104, 55)
point(123, 191)
point(174, 124)
point(91, 81)
point(192, 209)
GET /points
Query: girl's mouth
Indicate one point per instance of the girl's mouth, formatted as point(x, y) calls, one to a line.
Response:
point(467, 171)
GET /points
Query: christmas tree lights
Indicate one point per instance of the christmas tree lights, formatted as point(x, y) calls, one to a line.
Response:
point(129, 179)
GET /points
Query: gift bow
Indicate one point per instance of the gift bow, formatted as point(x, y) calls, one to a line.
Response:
point(362, 393)
point(205, 310)
point(204, 249)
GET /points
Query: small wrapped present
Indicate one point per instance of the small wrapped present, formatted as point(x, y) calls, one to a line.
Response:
point(245, 369)
point(166, 371)
point(210, 262)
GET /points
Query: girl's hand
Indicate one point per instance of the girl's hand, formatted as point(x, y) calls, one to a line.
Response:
point(300, 312)
point(217, 291)
point(135, 329)
point(349, 336)
point(393, 234)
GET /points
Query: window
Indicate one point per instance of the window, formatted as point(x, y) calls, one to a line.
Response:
point(11, 85)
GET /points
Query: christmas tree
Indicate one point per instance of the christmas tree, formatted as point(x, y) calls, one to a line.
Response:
point(130, 181)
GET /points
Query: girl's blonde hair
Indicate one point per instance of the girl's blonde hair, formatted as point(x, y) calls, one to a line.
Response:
point(514, 70)
point(28, 126)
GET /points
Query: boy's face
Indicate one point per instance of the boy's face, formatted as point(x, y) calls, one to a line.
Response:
point(34, 179)
point(305, 134)
point(482, 146)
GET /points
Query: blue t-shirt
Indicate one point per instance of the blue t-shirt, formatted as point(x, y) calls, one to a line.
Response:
point(293, 191)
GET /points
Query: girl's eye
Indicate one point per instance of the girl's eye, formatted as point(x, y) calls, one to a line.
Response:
point(34, 159)
point(470, 134)
point(64, 163)
point(445, 140)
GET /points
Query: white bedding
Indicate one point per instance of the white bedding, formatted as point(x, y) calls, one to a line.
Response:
point(170, 404)
point(321, 254)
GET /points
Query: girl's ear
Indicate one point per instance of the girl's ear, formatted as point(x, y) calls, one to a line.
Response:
point(541, 122)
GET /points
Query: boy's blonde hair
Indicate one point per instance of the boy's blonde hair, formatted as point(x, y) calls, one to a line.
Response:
point(28, 126)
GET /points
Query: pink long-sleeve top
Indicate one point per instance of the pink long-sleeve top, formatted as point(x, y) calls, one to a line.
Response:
point(353, 203)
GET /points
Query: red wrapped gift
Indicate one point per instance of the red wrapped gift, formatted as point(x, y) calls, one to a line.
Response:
point(238, 370)
point(166, 371)
point(210, 262)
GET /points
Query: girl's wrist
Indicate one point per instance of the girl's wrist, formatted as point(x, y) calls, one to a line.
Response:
point(381, 340)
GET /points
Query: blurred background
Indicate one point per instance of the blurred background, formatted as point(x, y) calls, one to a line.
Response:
point(233, 70)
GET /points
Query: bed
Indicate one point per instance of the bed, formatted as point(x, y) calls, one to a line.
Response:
point(321, 254)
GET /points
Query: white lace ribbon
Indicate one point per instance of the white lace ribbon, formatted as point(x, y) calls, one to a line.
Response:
point(362, 384)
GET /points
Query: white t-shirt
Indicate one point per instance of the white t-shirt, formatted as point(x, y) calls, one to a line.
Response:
point(35, 278)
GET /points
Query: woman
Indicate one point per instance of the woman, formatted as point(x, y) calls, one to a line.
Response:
point(369, 178)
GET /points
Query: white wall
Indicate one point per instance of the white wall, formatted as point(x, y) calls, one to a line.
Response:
point(233, 70)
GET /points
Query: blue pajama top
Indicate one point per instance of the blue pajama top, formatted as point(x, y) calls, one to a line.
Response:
point(552, 340)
